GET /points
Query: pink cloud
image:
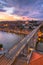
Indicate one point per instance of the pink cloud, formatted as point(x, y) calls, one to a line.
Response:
point(6, 16)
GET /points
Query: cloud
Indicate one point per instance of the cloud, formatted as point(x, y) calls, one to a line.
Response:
point(29, 8)
point(2, 2)
point(9, 10)
point(8, 17)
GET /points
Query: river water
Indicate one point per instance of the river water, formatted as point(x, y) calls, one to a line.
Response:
point(9, 39)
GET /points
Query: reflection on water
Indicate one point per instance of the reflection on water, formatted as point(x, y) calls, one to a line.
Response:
point(9, 39)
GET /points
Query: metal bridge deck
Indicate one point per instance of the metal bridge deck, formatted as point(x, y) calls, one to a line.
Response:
point(8, 61)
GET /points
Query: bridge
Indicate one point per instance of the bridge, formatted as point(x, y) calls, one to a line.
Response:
point(24, 47)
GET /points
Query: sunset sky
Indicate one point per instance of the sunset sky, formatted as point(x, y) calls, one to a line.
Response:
point(21, 8)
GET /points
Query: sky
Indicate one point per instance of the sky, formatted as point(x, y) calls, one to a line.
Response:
point(27, 8)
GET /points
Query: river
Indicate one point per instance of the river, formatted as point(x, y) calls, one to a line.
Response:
point(9, 39)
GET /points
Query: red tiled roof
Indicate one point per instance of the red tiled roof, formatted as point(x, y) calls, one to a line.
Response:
point(37, 59)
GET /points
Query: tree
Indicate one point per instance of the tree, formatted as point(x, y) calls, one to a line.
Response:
point(1, 46)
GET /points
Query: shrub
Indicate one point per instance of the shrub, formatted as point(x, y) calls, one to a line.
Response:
point(1, 45)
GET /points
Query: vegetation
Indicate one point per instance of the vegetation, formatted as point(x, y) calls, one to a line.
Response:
point(1, 46)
